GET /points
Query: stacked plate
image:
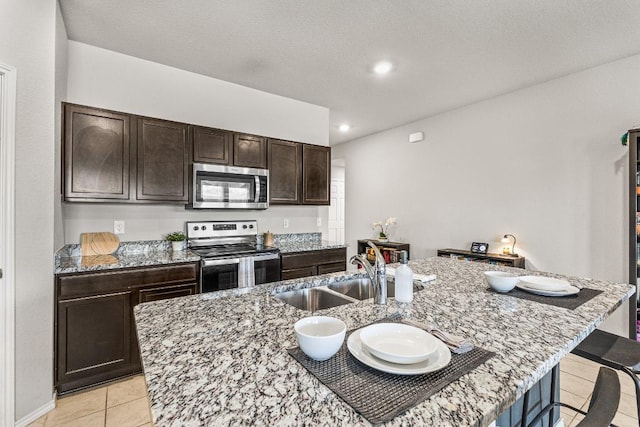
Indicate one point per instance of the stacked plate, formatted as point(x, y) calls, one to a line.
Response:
point(398, 349)
point(547, 286)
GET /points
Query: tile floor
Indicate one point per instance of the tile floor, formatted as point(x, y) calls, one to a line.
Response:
point(125, 403)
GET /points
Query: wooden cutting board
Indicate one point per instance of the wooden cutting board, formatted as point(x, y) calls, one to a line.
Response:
point(102, 243)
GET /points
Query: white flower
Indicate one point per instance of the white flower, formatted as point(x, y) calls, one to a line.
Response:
point(390, 221)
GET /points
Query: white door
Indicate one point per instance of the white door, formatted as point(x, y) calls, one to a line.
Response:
point(7, 246)
point(336, 207)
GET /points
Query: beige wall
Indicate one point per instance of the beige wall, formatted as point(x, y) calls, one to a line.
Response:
point(106, 79)
point(543, 163)
point(27, 36)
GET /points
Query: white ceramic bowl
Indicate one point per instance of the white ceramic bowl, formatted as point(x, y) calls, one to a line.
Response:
point(398, 343)
point(501, 281)
point(320, 337)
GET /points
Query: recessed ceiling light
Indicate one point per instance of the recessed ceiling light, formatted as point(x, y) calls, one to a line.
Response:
point(382, 67)
point(344, 127)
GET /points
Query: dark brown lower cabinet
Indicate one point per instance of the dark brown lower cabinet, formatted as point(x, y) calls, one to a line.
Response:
point(95, 330)
point(311, 263)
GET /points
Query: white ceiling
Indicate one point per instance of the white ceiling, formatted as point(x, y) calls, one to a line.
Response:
point(447, 53)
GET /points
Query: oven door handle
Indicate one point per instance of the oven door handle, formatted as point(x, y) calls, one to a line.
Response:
point(266, 257)
point(227, 261)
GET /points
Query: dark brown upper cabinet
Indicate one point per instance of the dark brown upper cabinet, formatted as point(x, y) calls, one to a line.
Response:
point(212, 145)
point(96, 154)
point(249, 151)
point(316, 174)
point(163, 161)
point(285, 172)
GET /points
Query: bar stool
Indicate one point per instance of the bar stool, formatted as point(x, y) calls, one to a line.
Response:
point(603, 406)
point(615, 352)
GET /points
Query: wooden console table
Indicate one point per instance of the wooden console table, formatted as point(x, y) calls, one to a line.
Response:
point(508, 260)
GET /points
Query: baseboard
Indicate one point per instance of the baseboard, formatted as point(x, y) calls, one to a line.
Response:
point(26, 420)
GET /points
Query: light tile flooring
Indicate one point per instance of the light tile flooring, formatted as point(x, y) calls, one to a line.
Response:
point(125, 403)
point(119, 404)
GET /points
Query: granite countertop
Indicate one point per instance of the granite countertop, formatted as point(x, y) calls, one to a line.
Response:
point(221, 359)
point(130, 254)
point(308, 245)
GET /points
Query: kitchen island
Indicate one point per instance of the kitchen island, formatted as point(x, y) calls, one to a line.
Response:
point(221, 358)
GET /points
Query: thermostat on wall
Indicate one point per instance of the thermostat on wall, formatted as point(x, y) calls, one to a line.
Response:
point(416, 137)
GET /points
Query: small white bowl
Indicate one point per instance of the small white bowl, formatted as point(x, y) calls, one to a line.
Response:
point(398, 343)
point(501, 281)
point(320, 337)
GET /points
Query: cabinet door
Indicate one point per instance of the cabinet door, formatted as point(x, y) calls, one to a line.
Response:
point(162, 161)
point(316, 170)
point(285, 172)
point(94, 338)
point(166, 292)
point(96, 154)
point(211, 145)
point(249, 151)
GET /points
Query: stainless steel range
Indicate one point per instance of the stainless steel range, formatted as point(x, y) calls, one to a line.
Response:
point(230, 255)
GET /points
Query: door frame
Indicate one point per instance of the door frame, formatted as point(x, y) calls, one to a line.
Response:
point(8, 81)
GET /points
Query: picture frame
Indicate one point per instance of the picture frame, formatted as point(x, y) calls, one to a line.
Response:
point(479, 248)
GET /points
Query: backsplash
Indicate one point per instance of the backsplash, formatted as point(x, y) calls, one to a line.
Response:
point(279, 239)
point(125, 248)
point(128, 248)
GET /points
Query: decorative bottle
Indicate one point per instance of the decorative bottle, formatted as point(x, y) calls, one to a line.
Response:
point(404, 280)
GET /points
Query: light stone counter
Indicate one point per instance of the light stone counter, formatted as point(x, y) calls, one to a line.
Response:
point(220, 358)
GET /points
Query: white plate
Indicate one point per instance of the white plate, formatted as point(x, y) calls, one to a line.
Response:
point(544, 283)
point(437, 360)
point(398, 343)
point(569, 290)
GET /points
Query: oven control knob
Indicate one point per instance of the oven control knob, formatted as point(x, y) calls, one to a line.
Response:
point(204, 227)
point(196, 228)
point(244, 226)
point(251, 226)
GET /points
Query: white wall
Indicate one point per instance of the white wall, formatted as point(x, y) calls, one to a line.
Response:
point(544, 163)
point(102, 78)
point(27, 37)
point(60, 95)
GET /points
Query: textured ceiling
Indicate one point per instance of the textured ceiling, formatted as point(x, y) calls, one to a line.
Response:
point(447, 53)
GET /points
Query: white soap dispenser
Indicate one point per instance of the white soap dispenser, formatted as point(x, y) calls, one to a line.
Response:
point(404, 280)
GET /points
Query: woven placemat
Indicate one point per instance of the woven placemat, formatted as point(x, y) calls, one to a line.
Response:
point(378, 396)
point(570, 302)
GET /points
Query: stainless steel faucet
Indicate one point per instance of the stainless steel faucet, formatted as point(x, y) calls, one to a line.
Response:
point(377, 274)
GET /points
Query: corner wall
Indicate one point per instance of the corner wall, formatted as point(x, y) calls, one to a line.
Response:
point(27, 37)
point(544, 163)
point(106, 79)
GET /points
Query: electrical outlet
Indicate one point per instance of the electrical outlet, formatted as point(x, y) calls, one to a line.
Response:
point(319, 221)
point(285, 223)
point(118, 227)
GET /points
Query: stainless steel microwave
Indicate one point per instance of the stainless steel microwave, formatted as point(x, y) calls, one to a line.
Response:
point(228, 187)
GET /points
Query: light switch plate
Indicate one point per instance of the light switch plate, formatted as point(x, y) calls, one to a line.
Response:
point(285, 223)
point(118, 227)
point(319, 221)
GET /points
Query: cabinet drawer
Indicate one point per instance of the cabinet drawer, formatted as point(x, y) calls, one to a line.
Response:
point(166, 292)
point(305, 259)
point(332, 268)
point(95, 283)
point(299, 272)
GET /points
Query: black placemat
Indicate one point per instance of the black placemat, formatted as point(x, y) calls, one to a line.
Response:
point(378, 396)
point(570, 302)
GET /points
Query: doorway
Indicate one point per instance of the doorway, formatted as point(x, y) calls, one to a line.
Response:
point(7, 243)
point(336, 207)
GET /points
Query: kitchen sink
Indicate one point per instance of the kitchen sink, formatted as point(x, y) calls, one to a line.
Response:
point(360, 289)
point(334, 294)
point(312, 299)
